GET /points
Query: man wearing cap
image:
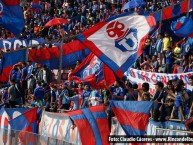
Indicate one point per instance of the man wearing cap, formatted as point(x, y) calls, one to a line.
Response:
point(15, 73)
point(177, 68)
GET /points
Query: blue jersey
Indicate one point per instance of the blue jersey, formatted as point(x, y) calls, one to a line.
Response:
point(169, 57)
point(39, 92)
point(24, 73)
point(65, 96)
point(13, 74)
point(85, 95)
point(178, 101)
point(118, 92)
point(158, 45)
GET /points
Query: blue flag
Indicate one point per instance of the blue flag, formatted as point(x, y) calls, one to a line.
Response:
point(11, 16)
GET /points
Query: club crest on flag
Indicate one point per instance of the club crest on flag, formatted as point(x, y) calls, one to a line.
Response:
point(92, 68)
point(125, 37)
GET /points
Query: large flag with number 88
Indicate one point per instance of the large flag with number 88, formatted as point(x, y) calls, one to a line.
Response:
point(118, 41)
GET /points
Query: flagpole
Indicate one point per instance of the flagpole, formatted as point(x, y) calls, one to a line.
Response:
point(160, 20)
point(60, 62)
point(188, 7)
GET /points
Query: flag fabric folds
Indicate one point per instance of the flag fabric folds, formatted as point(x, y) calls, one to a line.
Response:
point(183, 27)
point(133, 4)
point(133, 116)
point(26, 122)
point(92, 124)
point(118, 41)
point(172, 11)
point(11, 16)
point(7, 114)
point(9, 60)
point(72, 52)
point(36, 5)
point(93, 71)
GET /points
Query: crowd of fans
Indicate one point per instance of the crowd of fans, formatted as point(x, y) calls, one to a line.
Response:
point(81, 14)
point(163, 55)
point(33, 85)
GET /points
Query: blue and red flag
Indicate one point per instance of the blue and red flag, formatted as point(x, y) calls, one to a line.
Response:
point(3, 118)
point(9, 60)
point(26, 122)
point(93, 71)
point(118, 41)
point(6, 114)
point(72, 52)
point(15, 112)
point(183, 27)
point(35, 6)
point(11, 16)
point(133, 116)
point(92, 124)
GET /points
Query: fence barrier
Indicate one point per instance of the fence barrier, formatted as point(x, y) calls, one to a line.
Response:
point(15, 137)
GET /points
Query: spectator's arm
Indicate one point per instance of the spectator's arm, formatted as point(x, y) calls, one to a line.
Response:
point(2, 101)
point(118, 97)
point(144, 63)
point(185, 69)
point(172, 113)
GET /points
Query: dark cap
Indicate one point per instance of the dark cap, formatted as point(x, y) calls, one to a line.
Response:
point(180, 82)
point(160, 84)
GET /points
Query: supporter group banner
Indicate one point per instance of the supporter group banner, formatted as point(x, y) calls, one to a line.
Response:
point(58, 126)
point(139, 77)
point(15, 43)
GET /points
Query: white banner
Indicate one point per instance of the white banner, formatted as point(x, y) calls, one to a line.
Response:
point(139, 77)
point(58, 126)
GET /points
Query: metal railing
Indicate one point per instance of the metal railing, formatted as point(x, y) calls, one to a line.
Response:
point(15, 137)
point(161, 131)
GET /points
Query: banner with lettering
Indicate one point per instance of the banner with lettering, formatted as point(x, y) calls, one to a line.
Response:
point(139, 77)
point(15, 43)
point(58, 126)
